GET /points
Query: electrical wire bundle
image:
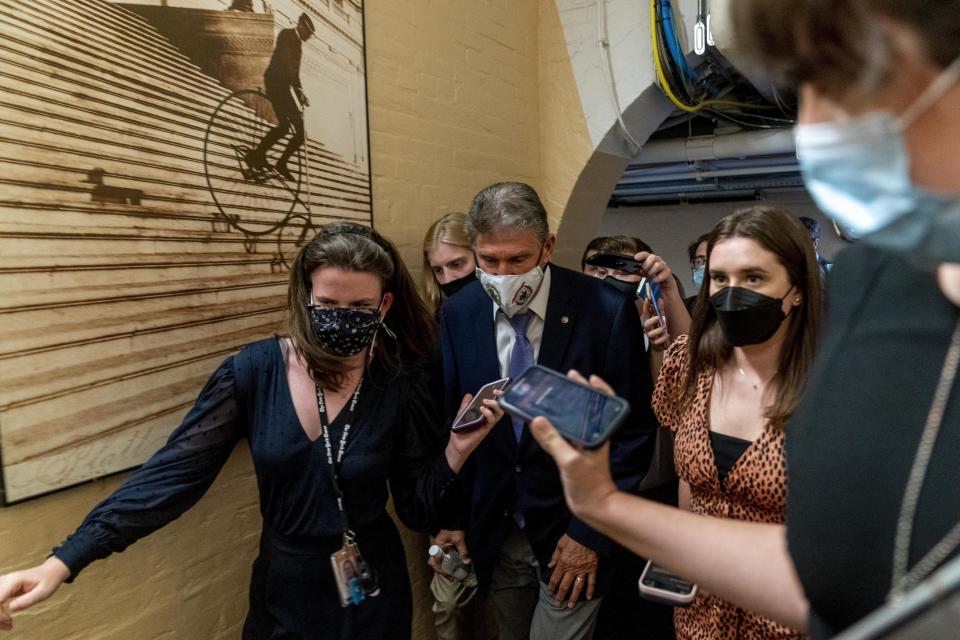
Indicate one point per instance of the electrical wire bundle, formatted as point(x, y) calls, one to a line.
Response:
point(689, 92)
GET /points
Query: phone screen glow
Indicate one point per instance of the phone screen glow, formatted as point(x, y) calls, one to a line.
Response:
point(577, 412)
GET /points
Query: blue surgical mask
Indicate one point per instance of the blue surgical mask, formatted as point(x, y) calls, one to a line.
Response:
point(858, 171)
point(698, 276)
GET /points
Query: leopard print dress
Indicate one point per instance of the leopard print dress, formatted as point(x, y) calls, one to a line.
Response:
point(755, 490)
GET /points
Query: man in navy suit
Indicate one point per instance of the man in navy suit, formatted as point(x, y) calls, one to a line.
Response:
point(544, 569)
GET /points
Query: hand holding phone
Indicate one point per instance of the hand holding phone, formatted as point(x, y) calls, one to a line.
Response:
point(470, 417)
point(579, 412)
point(650, 292)
point(660, 585)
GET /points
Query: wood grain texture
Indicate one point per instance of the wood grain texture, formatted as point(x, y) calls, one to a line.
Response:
point(114, 312)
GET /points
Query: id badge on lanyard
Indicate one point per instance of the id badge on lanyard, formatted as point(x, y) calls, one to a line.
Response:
point(356, 580)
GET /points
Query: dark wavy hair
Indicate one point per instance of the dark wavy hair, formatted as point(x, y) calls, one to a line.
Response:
point(354, 247)
point(778, 231)
point(839, 45)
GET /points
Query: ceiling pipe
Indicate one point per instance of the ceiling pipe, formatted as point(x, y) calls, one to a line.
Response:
point(699, 175)
point(708, 188)
point(713, 147)
point(727, 195)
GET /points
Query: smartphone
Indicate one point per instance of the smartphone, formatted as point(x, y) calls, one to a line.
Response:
point(659, 585)
point(578, 411)
point(615, 261)
point(651, 291)
point(471, 418)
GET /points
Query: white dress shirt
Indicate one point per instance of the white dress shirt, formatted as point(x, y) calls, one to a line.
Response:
point(505, 334)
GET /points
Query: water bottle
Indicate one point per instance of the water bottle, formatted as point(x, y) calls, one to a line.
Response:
point(451, 562)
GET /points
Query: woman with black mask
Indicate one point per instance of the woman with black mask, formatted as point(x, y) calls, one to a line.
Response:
point(333, 411)
point(728, 388)
point(448, 261)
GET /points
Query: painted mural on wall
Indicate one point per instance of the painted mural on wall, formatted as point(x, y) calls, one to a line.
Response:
point(160, 164)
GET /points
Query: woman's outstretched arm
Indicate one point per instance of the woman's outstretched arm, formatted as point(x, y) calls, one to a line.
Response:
point(746, 563)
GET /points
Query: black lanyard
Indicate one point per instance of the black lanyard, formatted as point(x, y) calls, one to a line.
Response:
point(349, 412)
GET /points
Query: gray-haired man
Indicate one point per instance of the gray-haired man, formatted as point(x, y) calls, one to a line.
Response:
point(545, 570)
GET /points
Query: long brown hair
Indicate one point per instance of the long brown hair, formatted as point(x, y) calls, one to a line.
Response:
point(353, 247)
point(777, 231)
point(450, 229)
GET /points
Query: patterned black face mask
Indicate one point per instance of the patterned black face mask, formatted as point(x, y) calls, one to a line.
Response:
point(342, 331)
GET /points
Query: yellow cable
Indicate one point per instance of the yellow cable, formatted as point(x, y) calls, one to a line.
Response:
point(665, 85)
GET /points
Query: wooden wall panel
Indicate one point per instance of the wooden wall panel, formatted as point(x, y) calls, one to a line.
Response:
point(114, 313)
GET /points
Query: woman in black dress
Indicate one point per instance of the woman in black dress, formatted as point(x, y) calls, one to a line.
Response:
point(349, 384)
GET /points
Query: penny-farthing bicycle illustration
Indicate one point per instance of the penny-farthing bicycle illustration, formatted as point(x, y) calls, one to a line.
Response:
point(255, 200)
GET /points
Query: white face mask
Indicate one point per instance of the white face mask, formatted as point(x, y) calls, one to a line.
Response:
point(512, 293)
point(858, 171)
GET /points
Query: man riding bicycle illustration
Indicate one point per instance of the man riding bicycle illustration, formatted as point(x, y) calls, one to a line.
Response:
point(281, 83)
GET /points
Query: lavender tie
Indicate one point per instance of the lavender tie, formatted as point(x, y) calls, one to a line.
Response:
point(521, 358)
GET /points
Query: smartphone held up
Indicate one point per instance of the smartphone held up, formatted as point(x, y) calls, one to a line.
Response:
point(650, 291)
point(471, 418)
point(580, 413)
point(659, 585)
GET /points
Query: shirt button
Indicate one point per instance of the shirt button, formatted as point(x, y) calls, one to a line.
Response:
point(518, 468)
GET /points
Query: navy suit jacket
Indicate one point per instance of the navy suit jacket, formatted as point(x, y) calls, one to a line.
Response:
point(589, 326)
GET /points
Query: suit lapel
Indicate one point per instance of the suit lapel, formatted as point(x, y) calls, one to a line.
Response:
point(561, 315)
point(557, 327)
point(483, 335)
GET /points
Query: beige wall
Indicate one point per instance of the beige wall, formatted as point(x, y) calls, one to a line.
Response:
point(565, 146)
point(461, 94)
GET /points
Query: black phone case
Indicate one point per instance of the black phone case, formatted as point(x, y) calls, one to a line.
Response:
point(615, 261)
point(517, 411)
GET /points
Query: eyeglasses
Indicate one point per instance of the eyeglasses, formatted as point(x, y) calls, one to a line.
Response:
point(699, 261)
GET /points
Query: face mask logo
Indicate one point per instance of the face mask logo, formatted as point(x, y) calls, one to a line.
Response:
point(523, 296)
point(450, 288)
point(343, 331)
point(858, 171)
point(512, 293)
point(747, 317)
point(494, 294)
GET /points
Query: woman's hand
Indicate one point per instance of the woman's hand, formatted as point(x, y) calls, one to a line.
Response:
point(656, 269)
point(23, 589)
point(586, 478)
point(658, 336)
point(671, 304)
point(462, 443)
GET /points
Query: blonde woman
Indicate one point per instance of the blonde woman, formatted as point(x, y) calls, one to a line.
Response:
point(448, 262)
point(448, 266)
